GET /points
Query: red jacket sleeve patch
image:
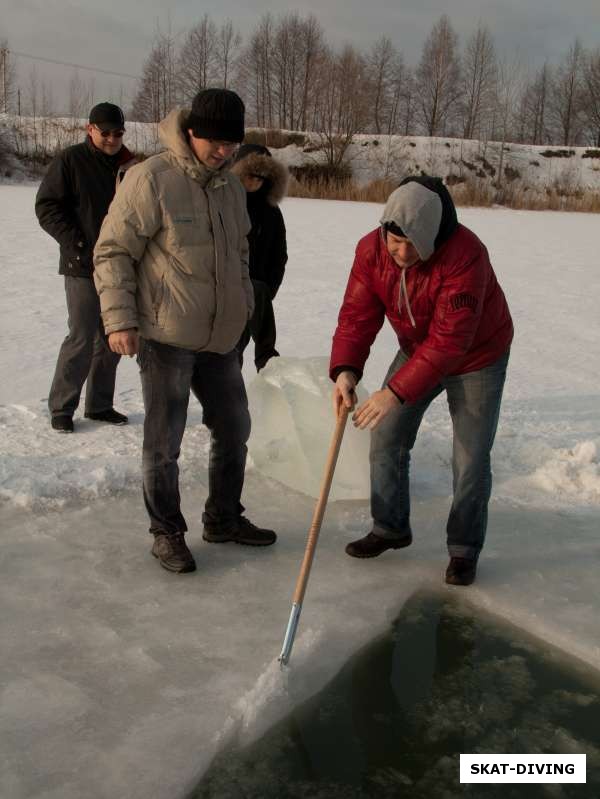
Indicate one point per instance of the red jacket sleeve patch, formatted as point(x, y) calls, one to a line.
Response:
point(463, 300)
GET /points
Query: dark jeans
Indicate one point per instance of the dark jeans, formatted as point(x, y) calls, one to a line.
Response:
point(474, 402)
point(168, 373)
point(261, 327)
point(84, 355)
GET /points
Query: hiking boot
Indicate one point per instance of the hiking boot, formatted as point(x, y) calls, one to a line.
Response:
point(62, 424)
point(373, 545)
point(241, 532)
point(173, 553)
point(461, 571)
point(111, 416)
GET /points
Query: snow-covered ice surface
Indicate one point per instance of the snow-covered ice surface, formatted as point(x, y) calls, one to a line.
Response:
point(119, 679)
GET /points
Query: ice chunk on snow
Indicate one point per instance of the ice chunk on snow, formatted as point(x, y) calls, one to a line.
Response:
point(292, 424)
point(574, 472)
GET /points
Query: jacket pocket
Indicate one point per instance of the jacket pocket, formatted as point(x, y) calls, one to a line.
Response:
point(225, 236)
point(161, 302)
point(78, 261)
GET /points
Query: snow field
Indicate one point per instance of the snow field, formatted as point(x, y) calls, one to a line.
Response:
point(119, 679)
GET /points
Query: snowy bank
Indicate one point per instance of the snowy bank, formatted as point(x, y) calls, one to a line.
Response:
point(370, 156)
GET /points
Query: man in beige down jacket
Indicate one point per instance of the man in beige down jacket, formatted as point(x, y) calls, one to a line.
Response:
point(171, 269)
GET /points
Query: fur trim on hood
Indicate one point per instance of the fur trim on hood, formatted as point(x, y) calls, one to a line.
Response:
point(258, 162)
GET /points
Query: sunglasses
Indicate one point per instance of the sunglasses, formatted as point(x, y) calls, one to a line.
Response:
point(118, 133)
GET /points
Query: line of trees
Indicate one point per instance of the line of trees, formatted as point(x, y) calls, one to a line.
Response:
point(292, 78)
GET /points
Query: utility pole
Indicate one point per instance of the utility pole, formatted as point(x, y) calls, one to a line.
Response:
point(3, 59)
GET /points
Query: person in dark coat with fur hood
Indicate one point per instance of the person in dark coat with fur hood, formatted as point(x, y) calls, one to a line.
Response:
point(265, 180)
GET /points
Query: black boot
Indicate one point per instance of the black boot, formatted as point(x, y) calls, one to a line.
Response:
point(111, 416)
point(461, 571)
point(62, 423)
point(242, 531)
point(373, 545)
point(173, 553)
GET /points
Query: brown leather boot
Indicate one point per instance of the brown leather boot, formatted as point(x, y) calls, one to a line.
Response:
point(461, 571)
point(373, 545)
point(172, 553)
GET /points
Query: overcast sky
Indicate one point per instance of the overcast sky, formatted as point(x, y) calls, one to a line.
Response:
point(117, 35)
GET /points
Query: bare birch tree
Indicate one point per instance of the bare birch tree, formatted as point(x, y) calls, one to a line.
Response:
point(287, 69)
point(227, 50)
point(157, 92)
point(380, 71)
point(508, 90)
point(255, 73)
point(80, 100)
point(342, 105)
point(198, 60)
point(403, 99)
point(438, 79)
point(591, 95)
point(479, 71)
point(312, 43)
point(566, 97)
point(7, 78)
point(533, 108)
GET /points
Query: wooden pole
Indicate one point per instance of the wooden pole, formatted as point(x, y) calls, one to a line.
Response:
point(313, 535)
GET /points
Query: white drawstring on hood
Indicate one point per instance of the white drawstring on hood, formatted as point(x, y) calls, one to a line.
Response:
point(402, 291)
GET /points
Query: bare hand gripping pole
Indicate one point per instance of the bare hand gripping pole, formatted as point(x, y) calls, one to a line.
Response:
point(313, 536)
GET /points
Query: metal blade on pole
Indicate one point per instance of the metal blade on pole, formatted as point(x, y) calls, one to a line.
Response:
point(313, 535)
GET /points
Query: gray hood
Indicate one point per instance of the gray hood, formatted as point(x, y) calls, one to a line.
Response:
point(418, 212)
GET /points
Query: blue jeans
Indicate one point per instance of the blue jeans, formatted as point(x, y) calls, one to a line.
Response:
point(474, 402)
point(168, 374)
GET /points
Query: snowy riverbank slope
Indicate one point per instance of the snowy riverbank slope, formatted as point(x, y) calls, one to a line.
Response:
point(370, 156)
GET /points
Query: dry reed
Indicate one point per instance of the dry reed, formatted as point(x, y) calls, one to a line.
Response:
point(475, 193)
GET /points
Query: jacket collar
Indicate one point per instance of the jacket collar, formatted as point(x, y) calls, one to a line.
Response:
point(118, 159)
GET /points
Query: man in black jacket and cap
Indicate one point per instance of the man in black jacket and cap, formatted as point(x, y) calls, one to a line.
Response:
point(70, 205)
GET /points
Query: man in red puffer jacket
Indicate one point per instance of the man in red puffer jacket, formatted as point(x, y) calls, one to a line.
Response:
point(433, 280)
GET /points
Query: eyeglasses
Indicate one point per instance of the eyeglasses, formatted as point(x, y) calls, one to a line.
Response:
point(226, 145)
point(118, 133)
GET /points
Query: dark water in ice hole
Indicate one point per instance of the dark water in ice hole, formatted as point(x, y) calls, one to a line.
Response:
point(394, 720)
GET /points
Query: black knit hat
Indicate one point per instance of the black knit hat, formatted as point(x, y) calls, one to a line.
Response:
point(107, 116)
point(394, 229)
point(217, 114)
